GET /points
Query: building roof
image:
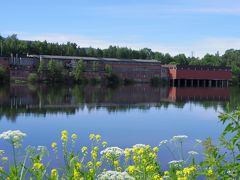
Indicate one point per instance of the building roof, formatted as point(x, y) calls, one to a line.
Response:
point(93, 59)
point(203, 67)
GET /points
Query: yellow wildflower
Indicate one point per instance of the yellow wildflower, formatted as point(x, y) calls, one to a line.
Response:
point(94, 155)
point(141, 151)
point(74, 136)
point(1, 168)
point(186, 171)
point(154, 156)
point(157, 177)
point(119, 169)
point(127, 152)
point(91, 171)
point(108, 155)
point(135, 158)
point(76, 174)
point(166, 173)
point(179, 173)
point(38, 166)
point(209, 172)
point(104, 143)
point(131, 169)
point(54, 145)
point(182, 178)
point(98, 164)
point(155, 149)
point(116, 163)
point(64, 138)
point(148, 147)
point(192, 168)
point(150, 168)
point(95, 148)
point(84, 149)
point(90, 164)
point(98, 137)
point(91, 136)
point(64, 132)
point(78, 165)
point(54, 173)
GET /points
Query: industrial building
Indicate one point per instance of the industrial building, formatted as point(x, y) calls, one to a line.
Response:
point(138, 70)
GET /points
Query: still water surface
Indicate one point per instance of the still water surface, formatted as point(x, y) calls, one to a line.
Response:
point(124, 116)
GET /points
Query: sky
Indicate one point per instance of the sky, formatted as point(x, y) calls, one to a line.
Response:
point(170, 26)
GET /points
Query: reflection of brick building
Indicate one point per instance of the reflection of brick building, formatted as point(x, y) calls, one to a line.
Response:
point(200, 93)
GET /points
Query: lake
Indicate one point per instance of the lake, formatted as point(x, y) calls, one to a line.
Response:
point(124, 115)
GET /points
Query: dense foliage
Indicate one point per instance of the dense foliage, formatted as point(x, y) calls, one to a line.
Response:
point(12, 44)
point(4, 75)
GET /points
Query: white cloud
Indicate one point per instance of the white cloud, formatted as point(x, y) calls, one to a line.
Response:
point(143, 10)
point(199, 47)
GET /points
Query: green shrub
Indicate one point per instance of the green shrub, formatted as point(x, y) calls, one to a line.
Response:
point(4, 76)
point(32, 77)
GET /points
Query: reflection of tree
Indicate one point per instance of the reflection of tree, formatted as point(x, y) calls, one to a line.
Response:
point(43, 99)
point(234, 100)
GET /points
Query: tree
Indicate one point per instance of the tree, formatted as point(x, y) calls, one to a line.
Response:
point(78, 70)
point(95, 66)
point(54, 70)
point(181, 59)
point(108, 69)
point(41, 68)
point(3, 74)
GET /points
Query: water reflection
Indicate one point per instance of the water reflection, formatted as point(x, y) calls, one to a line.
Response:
point(43, 99)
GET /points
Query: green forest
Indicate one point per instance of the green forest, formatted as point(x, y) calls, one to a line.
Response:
point(12, 44)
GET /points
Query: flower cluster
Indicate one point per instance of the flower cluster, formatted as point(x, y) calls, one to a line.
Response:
point(163, 142)
point(113, 152)
point(192, 153)
point(179, 138)
point(14, 137)
point(113, 175)
point(176, 163)
point(186, 172)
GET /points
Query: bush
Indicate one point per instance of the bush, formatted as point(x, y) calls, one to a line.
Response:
point(113, 79)
point(4, 76)
point(32, 77)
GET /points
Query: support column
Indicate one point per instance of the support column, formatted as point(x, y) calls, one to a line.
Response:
point(198, 83)
point(191, 83)
point(173, 83)
point(204, 83)
point(227, 83)
point(222, 83)
point(210, 83)
point(185, 83)
point(179, 82)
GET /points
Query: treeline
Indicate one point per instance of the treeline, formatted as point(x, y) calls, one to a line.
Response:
point(12, 44)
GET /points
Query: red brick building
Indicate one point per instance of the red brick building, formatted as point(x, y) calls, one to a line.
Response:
point(199, 75)
point(139, 70)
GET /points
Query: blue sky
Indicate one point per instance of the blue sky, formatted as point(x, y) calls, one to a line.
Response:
point(174, 26)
